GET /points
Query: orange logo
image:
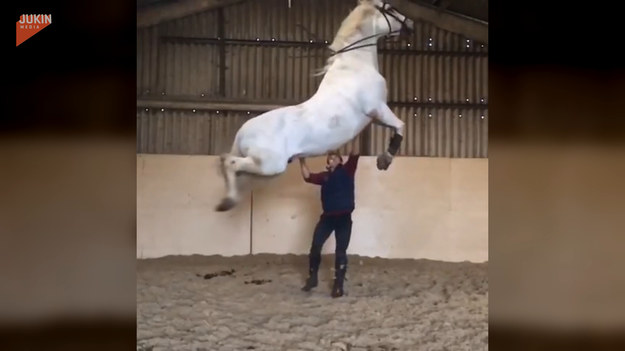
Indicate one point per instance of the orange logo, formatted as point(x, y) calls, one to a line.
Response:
point(29, 25)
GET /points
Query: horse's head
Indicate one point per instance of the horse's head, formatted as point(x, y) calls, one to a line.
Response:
point(369, 21)
point(388, 20)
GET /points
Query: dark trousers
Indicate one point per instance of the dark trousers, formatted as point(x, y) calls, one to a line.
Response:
point(342, 227)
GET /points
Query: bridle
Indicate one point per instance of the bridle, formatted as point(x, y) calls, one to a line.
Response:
point(385, 10)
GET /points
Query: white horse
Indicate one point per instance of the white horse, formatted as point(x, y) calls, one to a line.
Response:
point(351, 95)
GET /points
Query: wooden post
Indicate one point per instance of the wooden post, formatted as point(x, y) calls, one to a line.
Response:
point(365, 141)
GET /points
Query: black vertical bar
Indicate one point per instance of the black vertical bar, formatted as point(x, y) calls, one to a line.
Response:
point(221, 31)
point(251, 218)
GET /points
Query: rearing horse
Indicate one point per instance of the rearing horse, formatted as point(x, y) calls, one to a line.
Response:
point(351, 95)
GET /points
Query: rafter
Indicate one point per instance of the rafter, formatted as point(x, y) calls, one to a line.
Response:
point(165, 12)
point(469, 27)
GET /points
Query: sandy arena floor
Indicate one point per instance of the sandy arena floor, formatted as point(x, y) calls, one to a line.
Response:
point(203, 303)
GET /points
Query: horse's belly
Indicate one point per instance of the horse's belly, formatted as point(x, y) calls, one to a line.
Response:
point(321, 140)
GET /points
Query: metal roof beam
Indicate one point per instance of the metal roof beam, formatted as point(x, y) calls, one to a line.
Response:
point(469, 27)
point(159, 13)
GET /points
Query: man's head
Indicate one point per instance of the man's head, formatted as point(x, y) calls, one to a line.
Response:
point(332, 160)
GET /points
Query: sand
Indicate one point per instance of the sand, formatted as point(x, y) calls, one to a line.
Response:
point(255, 303)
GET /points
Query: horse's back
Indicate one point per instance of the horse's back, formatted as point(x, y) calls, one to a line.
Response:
point(268, 123)
point(266, 131)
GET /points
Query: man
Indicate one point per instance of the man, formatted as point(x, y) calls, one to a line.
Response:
point(337, 199)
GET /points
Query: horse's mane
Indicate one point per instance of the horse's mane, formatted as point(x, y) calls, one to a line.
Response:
point(349, 26)
point(352, 23)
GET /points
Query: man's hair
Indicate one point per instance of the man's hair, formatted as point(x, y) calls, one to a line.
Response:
point(335, 153)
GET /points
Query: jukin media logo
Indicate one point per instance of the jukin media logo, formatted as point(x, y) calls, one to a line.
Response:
point(29, 25)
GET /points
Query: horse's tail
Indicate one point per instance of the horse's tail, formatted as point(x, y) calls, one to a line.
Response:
point(320, 71)
point(323, 70)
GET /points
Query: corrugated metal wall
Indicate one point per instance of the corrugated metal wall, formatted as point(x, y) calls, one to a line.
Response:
point(438, 81)
point(187, 132)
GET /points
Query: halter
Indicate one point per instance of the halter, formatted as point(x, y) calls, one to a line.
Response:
point(385, 10)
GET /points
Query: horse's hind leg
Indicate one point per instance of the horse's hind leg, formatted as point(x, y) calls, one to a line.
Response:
point(231, 198)
point(264, 165)
point(261, 164)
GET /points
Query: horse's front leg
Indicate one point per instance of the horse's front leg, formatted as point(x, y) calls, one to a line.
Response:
point(386, 117)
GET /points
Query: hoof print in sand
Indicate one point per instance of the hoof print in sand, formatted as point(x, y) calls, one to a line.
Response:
point(259, 281)
point(340, 346)
point(218, 274)
point(382, 348)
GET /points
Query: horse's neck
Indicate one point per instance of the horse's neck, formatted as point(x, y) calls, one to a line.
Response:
point(367, 55)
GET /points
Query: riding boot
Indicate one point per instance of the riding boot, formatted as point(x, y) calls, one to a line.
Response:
point(311, 281)
point(337, 287)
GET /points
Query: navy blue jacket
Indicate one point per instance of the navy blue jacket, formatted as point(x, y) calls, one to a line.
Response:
point(337, 187)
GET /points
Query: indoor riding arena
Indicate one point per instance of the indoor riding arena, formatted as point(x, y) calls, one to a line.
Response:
point(418, 254)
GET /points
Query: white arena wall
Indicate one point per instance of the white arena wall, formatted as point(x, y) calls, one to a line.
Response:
point(432, 208)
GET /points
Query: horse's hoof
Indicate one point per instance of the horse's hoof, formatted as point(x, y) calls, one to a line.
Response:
point(383, 162)
point(225, 205)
